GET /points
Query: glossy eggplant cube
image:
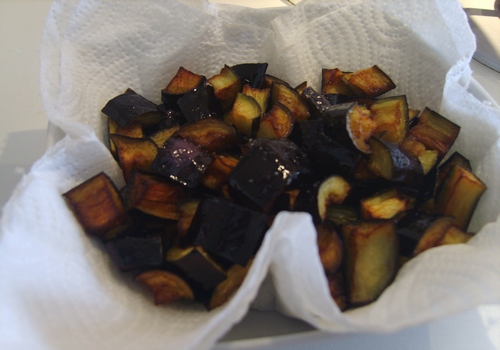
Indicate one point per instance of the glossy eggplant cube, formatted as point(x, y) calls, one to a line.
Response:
point(182, 161)
point(199, 103)
point(129, 253)
point(265, 170)
point(227, 230)
point(251, 73)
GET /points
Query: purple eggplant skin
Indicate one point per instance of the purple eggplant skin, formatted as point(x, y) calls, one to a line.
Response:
point(251, 73)
point(199, 103)
point(182, 161)
point(227, 230)
point(410, 229)
point(125, 107)
point(316, 102)
point(265, 170)
point(307, 200)
point(170, 101)
point(336, 98)
point(129, 253)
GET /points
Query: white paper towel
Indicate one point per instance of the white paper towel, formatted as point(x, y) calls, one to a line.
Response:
point(61, 289)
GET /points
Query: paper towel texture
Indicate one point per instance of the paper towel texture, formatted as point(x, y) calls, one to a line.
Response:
point(61, 289)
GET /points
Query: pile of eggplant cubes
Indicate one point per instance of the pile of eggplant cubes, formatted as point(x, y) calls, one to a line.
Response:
point(209, 168)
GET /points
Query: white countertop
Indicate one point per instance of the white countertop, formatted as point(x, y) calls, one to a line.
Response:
point(23, 131)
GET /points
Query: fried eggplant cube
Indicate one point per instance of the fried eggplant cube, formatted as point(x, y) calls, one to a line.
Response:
point(183, 81)
point(332, 83)
point(133, 129)
point(154, 195)
point(166, 286)
point(245, 115)
point(259, 95)
point(224, 290)
point(217, 173)
point(251, 73)
point(182, 161)
point(371, 82)
point(199, 103)
point(277, 123)
point(289, 97)
point(459, 194)
point(98, 206)
point(372, 252)
point(332, 191)
point(213, 135)
point(330, 248)
point(227, 230)
point(130, 252)
point(391, 118)
point(384, 205)
point(227, 84)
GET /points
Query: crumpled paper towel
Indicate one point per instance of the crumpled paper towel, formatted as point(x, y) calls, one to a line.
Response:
point(58, 286)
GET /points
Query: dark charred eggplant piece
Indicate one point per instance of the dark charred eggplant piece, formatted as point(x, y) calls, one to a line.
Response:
point(213, 135)
point(385, 205)
point(277, 123)
point(199, 103)
point(371, 261)
point(165, 286)
point(290, 98)
point(182, 82)
point(154, 195)
point(265, 170)
point(227, 230)
point(390, 162)
point(435, 131)
point(371, 82)
point(317, 103)
point(227, 84)
point(131, 106)
point(251, 73)
point(130, 253)
point(134, 153)
point(224, 290)
point(459, 194)
point(197, 265)
point(182, 161)
point(245, 115)
point(391, 118)
point(98, 206)
point(332, 83)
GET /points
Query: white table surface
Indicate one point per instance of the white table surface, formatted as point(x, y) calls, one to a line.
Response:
point(23, 132)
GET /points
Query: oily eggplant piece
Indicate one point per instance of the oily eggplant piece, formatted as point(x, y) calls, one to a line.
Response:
point(435, 131)
point(227, 230)
point(98, 206)
point(270, 79)
point(458, 195)
point(199, 103)
point(265, 170)
point(235, 276)
point(427, 157)
point(259, 95)
point(182, 161)
point(316, 102)
point(154, 195)
point(330, 248)
point(455, 159)
point(332, 191)
point(227, 84)
point(187, 210)
point(388, 161)
point(391, 118)
point(251, 73)
point(133, 129)
point(160, 137)
point(134, 154)
point(131, 106)
point(182, 82)
point(245, 115)
point(371, 259)
point(130, 253)
point(213, 135)
point(217, 173)
point(371, 82)
point(289, 97)
point(336, 285)
point(434, 234)
point(276, 123)
point(360, 127)
point(342, 214)
point(385, 205)
point(166, 286)
point(332, 83)
point(198, 266)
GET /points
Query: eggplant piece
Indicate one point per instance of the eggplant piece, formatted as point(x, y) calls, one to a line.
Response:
point(182, 161)
point(316, 102)
point(270, 79)
point(391, 118)
point(332, 191)
point(161, 136)
point(435, 132)
point(259, 95)
point(187, 210)
point(199, 103)
point(276, 124)
point(300, 88)
point(371, 82)
point(342, 215)
point(134, 153)
point(337, 289)
point(371, 259)
point(459, 194)
point(198, 266)
point(154, 195)
point(265, 170)
point(217, 173)
point(98, 206)
point(227, 84)
point(428, 158)
point(131, 106)
point(434, 234)
point(330, 248)
point(133, 129)
point(385, 205)
point(391, 163)
point(245, 115)
point(455, 159)
point(251, 73)
point(224, 290)
point(213, 135)
point(166, 286)
point(360, 127)
point(454, 235)
point(129, 253)
point(332, 83)
point(182, 82)
point(227, 230)
point(289, 97)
